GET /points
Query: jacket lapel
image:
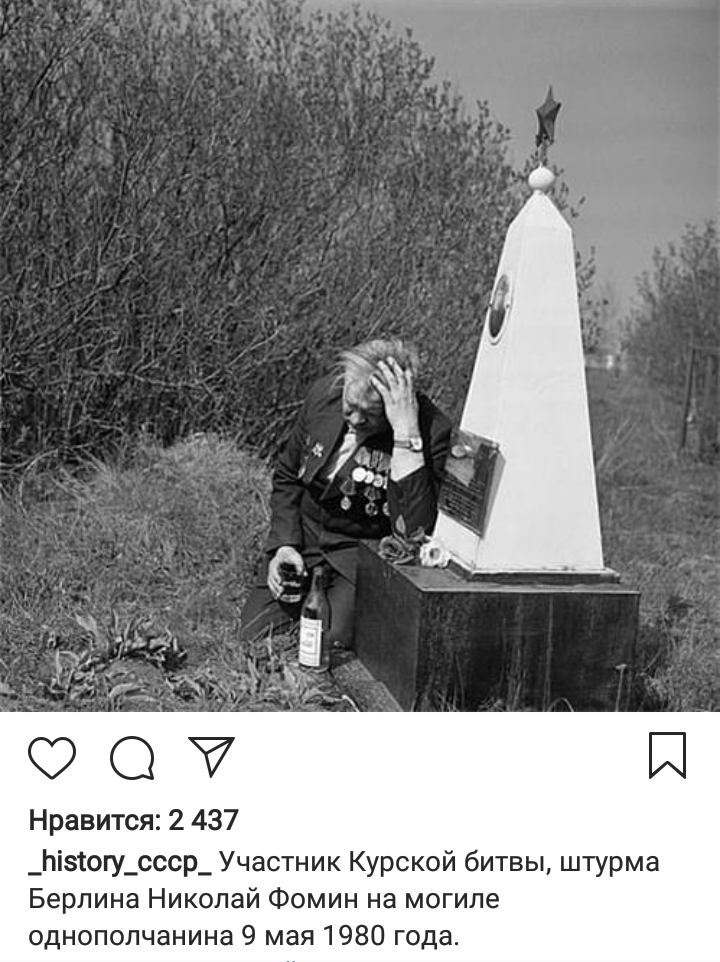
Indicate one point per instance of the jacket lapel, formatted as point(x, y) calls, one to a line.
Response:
point(324, 430)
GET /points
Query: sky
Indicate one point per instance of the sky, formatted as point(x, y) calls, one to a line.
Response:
point(637, 133)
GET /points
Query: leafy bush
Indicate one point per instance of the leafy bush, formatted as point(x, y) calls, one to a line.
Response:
point(202, 200)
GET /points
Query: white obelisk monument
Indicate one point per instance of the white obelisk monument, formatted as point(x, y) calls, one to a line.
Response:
point(527, 614)
point(528, 397)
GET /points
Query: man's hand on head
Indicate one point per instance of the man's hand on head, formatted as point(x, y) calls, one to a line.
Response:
point(399, 397)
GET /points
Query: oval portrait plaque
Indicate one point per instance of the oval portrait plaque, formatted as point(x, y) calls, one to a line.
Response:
point(499, 306)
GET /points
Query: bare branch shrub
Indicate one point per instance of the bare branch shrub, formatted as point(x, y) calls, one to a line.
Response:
point(677, 303)
point(200, 201)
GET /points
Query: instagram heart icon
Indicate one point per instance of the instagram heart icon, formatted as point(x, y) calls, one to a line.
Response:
point(52, 758)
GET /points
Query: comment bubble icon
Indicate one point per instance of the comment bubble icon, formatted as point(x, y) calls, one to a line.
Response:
point(132, 758)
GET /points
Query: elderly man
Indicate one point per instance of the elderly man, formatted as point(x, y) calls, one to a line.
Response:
point(367, 450)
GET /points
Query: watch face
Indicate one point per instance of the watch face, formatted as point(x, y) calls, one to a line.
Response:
point(411, 444)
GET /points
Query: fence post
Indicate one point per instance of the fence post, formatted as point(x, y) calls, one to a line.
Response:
point(688, 395)
point(708, 447)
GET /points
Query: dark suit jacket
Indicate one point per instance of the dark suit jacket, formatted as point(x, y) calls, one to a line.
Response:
point(318, 517)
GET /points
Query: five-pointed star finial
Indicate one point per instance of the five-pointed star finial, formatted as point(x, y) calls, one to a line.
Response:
point(546, 115)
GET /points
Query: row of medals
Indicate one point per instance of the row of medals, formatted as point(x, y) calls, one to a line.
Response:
point(371, 472)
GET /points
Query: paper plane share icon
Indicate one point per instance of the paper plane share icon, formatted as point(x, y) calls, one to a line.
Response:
point(214, 750)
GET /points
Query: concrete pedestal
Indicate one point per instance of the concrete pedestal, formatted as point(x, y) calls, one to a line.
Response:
point(438, 641)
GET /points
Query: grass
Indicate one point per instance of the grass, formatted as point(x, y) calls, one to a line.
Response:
point(659, 512)
point(123, 582)
point(123, 587)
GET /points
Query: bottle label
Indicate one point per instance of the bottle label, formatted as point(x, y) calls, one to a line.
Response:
point(311, 630)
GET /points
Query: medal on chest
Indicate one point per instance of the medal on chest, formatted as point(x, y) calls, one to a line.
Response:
point(366, 482)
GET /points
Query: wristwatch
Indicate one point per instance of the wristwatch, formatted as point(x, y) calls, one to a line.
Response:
point(411, 444)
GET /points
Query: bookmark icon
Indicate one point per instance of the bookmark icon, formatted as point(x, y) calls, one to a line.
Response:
point(668, 749)
point(214, 750)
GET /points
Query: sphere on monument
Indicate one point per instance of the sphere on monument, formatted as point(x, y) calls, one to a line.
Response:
point(541, 179)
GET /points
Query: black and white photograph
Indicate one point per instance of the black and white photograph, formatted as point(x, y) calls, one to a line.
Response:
point(359, 357)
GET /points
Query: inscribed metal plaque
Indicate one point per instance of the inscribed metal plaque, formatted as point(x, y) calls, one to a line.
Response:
point(468, 479)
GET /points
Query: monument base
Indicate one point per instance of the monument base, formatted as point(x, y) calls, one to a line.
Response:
point(438, 641)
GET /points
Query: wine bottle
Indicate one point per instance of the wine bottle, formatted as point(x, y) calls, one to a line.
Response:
point(314, 623)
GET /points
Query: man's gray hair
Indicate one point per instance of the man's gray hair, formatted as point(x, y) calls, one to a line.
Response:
point(358, 364)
